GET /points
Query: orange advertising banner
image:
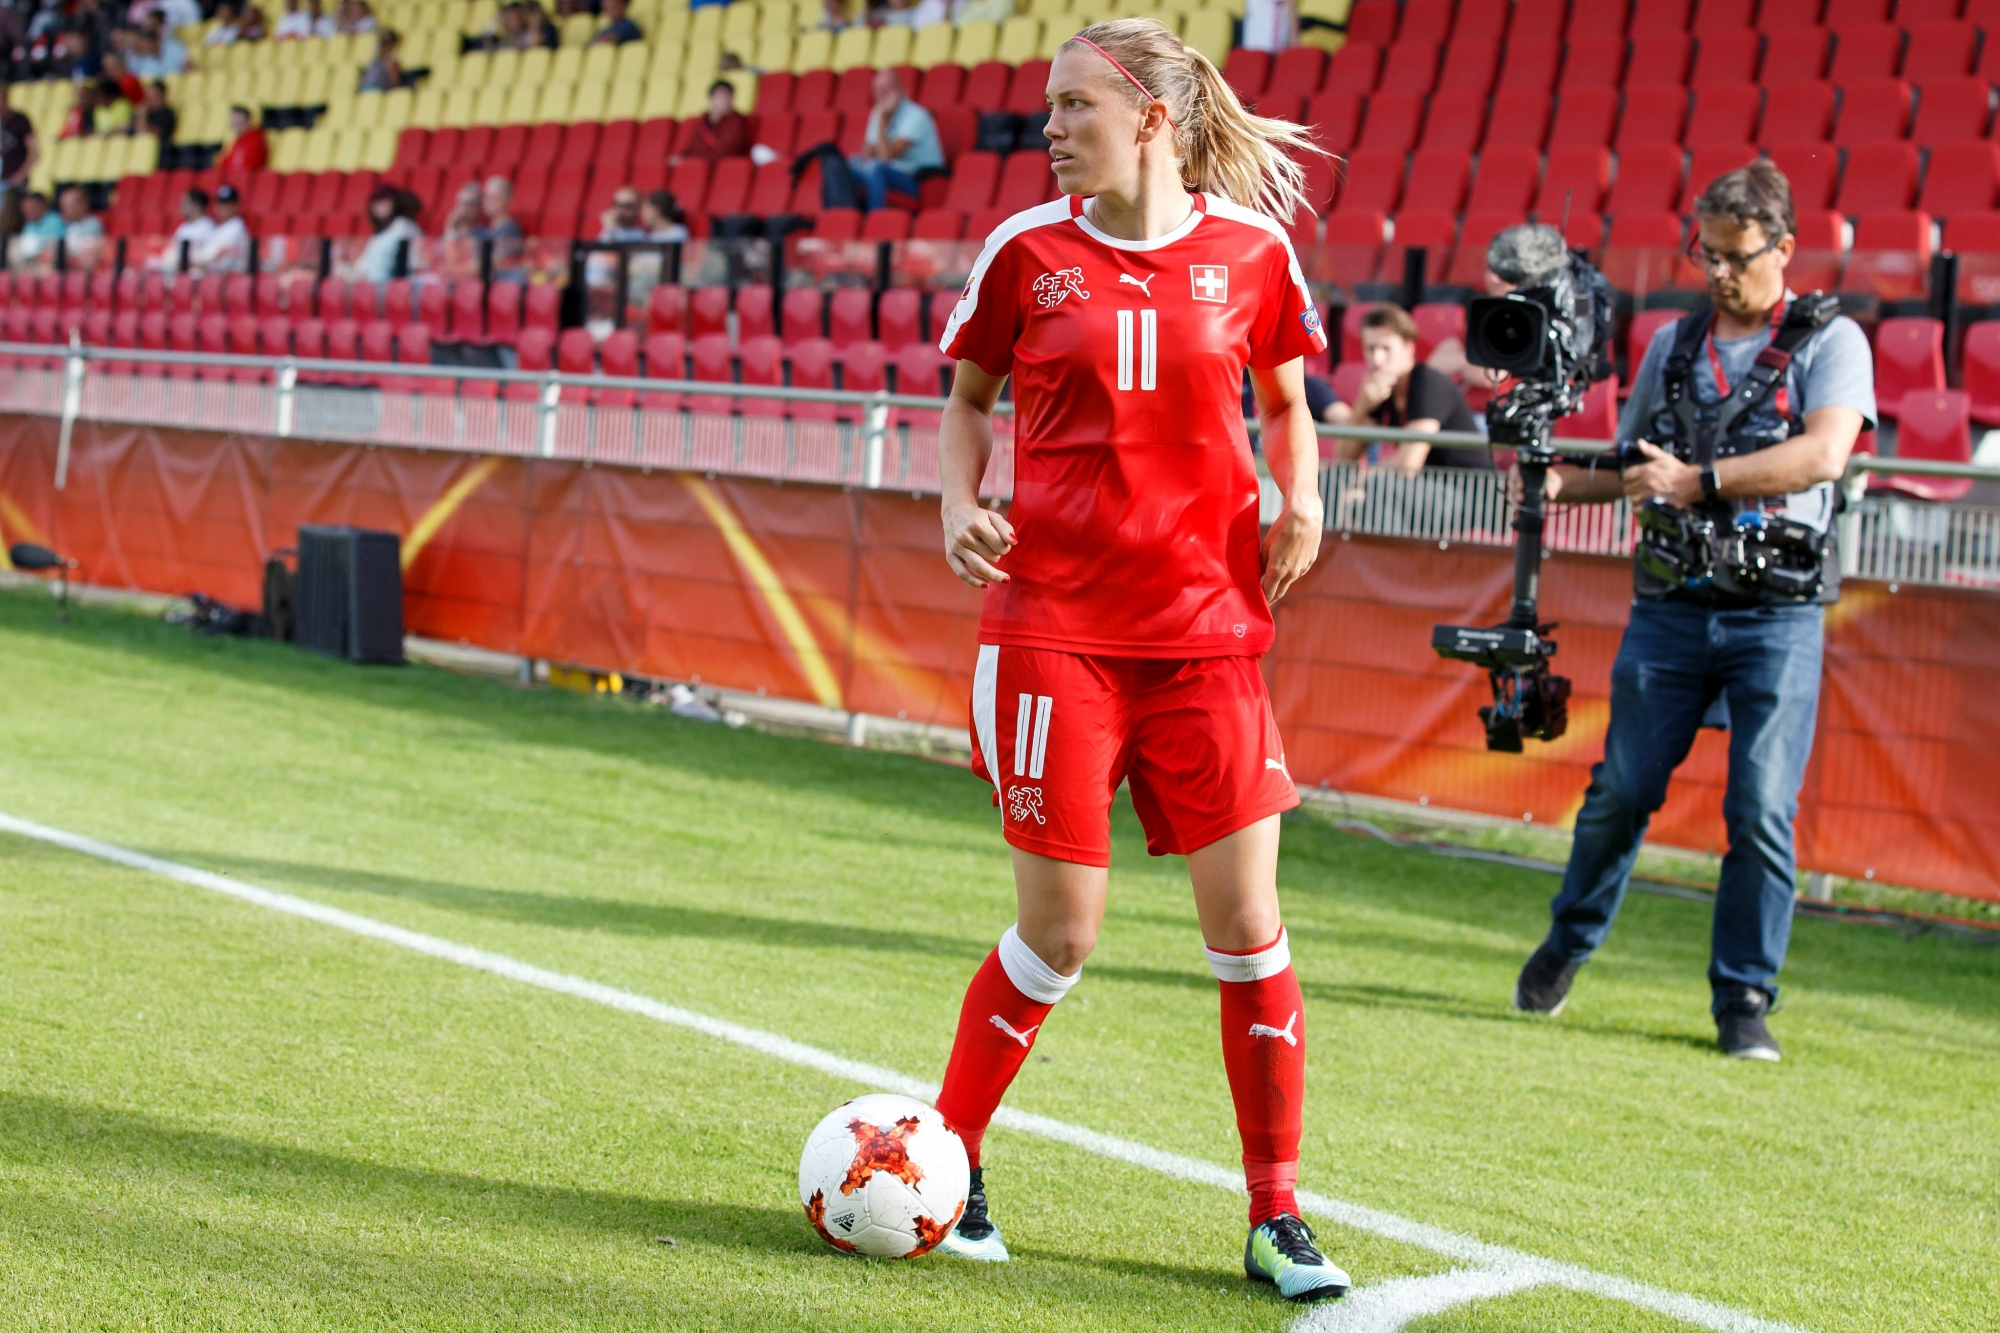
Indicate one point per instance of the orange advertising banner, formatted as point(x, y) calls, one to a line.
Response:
point(841, 597)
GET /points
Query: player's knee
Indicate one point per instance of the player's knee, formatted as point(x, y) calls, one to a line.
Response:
point(1046, 967)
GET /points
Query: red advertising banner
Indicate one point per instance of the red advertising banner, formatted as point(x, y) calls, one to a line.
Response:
point(841, 597)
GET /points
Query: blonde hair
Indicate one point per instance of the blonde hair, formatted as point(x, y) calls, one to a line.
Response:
point(1223, 149)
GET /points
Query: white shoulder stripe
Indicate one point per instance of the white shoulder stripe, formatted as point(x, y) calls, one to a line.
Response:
point(1041, 215)
point(1235, 212)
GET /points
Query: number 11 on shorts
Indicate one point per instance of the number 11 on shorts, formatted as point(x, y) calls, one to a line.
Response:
point(1031, 734)
point(1149, 348)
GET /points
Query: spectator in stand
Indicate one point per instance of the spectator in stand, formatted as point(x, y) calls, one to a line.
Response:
point(618, 27)
point(154, 56)
point(898, 14)
point(663, 219)
point(466, 216)
point(18, 154)
point(537, 30)
point(228, 24)
point(227, 248)
point(74, 56)
point(81, 121)
point(355, 18)
point(41, 228)
point(508, 31)
point(173, 13)
point(927, 12)
point(384, 71)
point(82, 229)
point(193, 233)
point(114, 113)
point(833, 14)
point(496, 205)
point(1396, 391)
point(621, 221)
point(723, 132)
point(311, 21)
point(902, 140)
point(248, 149)
point(977, 11)
point(393, 215)
point(129, 85)
point(156, 117)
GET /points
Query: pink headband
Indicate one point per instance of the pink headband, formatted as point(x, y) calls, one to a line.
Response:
point(1130, 77)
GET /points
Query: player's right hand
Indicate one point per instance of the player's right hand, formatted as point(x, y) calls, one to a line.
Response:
point(974, 538)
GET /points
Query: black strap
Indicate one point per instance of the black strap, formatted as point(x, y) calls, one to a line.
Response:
point(1694, 326)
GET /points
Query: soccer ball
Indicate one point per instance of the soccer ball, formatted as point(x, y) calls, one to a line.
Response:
point(883, 1176)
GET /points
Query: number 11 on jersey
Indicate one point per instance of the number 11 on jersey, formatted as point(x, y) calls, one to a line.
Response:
point(1149, 348)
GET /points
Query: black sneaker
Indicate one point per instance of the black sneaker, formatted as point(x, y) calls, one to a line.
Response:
point(1739, 1024)
point(1281, 1252)
point(1544, 984)
point(975, 1236)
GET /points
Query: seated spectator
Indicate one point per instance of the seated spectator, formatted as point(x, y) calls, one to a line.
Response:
point(114, 69)
point(114, 113)
point(19, 151)
point(82, 229)
point(1396, 391)
point(384, 71)
point(466, 216)
point(171, 13)
point(662, 218)
point(393, 215)
point(153, 56)
point(248, 149)
point(227, 246)
point(833, 14)
point(41, 228)
point(228, 24)
point(976, 11)
point(902, 140)
point(296, 23)
point(618, 27)
point(75, 55)
point(193, 233)
point(900, 14)
point(355, 18)
point(508, 30)
point(537, 29)
point(497, 224)
point(722, 132)
point(926, 12)
point(156, 117)
point(81, 121)
point(621, 221)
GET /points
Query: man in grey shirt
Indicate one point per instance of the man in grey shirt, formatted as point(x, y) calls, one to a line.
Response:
point(1743, 653)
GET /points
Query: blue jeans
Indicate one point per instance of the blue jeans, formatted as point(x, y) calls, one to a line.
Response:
point(1676, 659)
point(880, 178)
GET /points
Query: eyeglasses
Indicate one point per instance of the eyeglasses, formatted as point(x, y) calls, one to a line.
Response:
point(1706, 259)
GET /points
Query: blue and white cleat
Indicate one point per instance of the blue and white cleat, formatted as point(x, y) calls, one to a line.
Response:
point(975, 1236)
point(1281, 1253)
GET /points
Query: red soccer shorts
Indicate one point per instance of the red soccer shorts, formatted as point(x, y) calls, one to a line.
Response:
point(1055, 733)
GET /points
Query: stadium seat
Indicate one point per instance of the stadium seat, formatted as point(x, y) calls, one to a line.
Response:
point(1793, 53)
point(1456, 117)
point(501, 309)
point(1909, 356)
point(1483, 20)
point(920, 370)
point(666, 309)
point(1933, 425)
point(1593, 62)
point(1952, 111)
point(1475, 233)
point(1778, 15)
point(1841, 14)
point(1642, 251)
point(756, 311)
point(1816, 264)
point(1373, 21)
point(433, 308)
point(1296, 72)
point(1373, 181)
point(398, 301)
point(1653, 115)
point(332, 302)
point(1410, 67)
point(1520, 119)
point(1648, 180)
point(1391, 125)
point(1961, 178)
point(1939, 51)
point(1705, 164)
point(1335, 120)
point(1506, 181)
point(1025, 181)
point(761, 361)
point(1891, 256)
point(1426, 21)
point(1798, 112)
point(942, 85)
point(1432, 232)
point(534, 352)
point(1437, 179)
point(1247, 72)
point(576, 352)
point(1728, 56)
point(728, 187)
point(1469, 65)
point(1982, 371)
point(666, 359)
point(1437, 321)
point(850, 317)
point(803, 314)
point(938, 224)
point(1351, 249)
point(1585, 20)
point(1639, 335)
point(1573, 182)
point(838, 224)
point(973, 179)
point(1812, 169)
point(1596, 418)
point(1353, 68)
point(1584, 117)
point(864, 368)
point(1879, 178)
point(896, 317)
point(1864, 51)
point(1659, 60)
point(708, 312)
point(1873, 110)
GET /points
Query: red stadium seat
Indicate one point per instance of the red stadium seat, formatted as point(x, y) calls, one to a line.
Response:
point(1864, 51)
point(1939, 51)
point(1880, 178)
point(1975, 239)
point(1653, 115)
point(853, 91)
point(980, 225)
point(812, 368)
point(1642, 250)
point(896, 317)
point(534, 352)
point(756, 311)
point(850, 316)
point(1872, 111)
point(617, 357)
point(1426, 21)
point(1437, 179)
point(864, 369)
point(1847, 13)
point(666, 309)
point(1484, 20)
point(729, 187)
point(1639, 336)
point(1433, 232)
point(986, 85)
point(1574, 182)
point(655, 140)
point(1649, 180)
point(689, 183)
point(1455, 120)
point(1335, 120)
point(1812, 169)
point(1952, 111)
point(886, 224)
point(1025, 181)
point(973, 179)
point(1891, 256)
point(712, 363)
point(576, 352)
point(433, 308)
point(920, 370)
point(1659, 59)
point(1437, 321)
point(838, 224)
point(1793, 54)
point(1961, 178)
point(1705, 164)
point(1726, 57)
point(762, 361)
point(1469, 65)
point(1796, 113)
point(543, 307)
point(803, 314)
point(1584, 117)
point(509, 143)
point(1650, 16)
point(1296, 72)
point(1248, 71)
point(774, 91)
point(1410, 67)
point(770, 190)
point(1816, 264)
point(1909, 357)
point(1520, 119)
point(1393, 118)
point(332, 303)
point(666, 359)
point(942, 86)
point(937, 313)
point(486, 315)
point(1593, 62)
point(398, 301)
point(1933, 425)
point(1586, 20)
point(1353, 68)
point(1373, 181)
point(308, 338)
point(1596, 418)
point(708, 312)
point(1982, 371)
point(1777, 15)
point(1373, 21)
point(1506, 181)
point(1351, 249)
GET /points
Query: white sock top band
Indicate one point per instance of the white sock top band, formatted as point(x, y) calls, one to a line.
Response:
point(1251, 966)
point(1030, 975)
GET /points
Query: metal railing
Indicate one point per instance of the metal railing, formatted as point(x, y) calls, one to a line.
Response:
point(869, 439)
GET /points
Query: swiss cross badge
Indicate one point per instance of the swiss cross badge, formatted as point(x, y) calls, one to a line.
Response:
point(1211, 282)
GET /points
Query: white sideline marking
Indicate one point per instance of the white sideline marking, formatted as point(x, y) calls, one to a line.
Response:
point(1385, 1308)
point(1496, 1266)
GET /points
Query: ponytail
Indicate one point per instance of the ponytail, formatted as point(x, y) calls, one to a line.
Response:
point(1223, 149)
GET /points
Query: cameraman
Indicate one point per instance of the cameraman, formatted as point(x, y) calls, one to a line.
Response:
point(1692, 650)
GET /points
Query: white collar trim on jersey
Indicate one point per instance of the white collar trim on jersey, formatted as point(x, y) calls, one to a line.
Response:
point(1194, 217)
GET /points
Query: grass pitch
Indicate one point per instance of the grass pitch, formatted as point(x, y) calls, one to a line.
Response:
point(216, 1117)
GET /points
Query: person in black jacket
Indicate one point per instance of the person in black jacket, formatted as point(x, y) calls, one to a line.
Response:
point(1397, 391)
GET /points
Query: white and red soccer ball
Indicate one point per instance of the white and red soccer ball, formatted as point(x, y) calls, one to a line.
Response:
point(883, 1176)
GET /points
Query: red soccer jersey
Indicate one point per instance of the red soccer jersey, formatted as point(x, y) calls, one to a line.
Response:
point(1135, 500)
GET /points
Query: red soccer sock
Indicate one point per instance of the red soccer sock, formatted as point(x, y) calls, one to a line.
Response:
point(1264, 1050)
point(1010, 995)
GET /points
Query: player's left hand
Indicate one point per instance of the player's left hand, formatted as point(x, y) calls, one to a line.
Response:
point(1290, 548)
point(1664, 477)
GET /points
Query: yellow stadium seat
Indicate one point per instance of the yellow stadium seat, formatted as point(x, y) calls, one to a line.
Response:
point(663, 98)
point(523, 105)
point(554, 102)
point(670, 29)
point(1134, 9)
point(745, 83)
point(214, 123)
point(1047, 10)
point(288, 55)
point(892, 46)
point(589, 101)
point(460, 106)
point(427, 108)
point(1208, 31)
point(1020, 36)
point(1332, 11)
point(705, 25)
point(505, 69)
point(739, 28)
point(1326, 39)
point(1054, 33)
point(348, 146)
point(536, 67)
point(813, 51)
point(366, 113)
point(578, 29)
point(491, 108)
point(88, 162)
point(932, 45)
point(629, 63)
point(625, 101)
point(340, 50)
point(598, 63)
point(444, 62)
point(287, 146)
point(315, 85)
point(480, 16)
point(1233, 8)
point(774, 51)
point(700, 65)
point(397, 106)
point(318, 154)
point(852, 47)
point(975, 43)
point(380, 152)
point(475, 70)
point(144, 155)
point(693, 101)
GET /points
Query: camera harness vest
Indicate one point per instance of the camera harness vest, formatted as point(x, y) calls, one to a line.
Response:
point(1753, 556)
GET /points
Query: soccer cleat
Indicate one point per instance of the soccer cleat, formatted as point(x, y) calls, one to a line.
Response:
point(1739, 1024)
point(1281, 1253)
point(1544, 984)
point(975, 1236)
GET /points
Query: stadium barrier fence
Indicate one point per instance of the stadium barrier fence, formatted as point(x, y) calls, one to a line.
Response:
point(834, 592)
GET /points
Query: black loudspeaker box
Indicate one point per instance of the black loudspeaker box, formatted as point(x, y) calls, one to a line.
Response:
point(348, 600)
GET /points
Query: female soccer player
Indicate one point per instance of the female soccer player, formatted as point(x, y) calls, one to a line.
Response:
point(1127, 599)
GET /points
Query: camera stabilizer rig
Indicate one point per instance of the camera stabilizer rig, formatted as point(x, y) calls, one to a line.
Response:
point(1551, 337)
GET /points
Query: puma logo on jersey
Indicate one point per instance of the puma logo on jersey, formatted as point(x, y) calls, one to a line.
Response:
point(1051, 288)
point(1283, 1034)
point(1140, 283)
point(1278, 764)
point(1022, 1037)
